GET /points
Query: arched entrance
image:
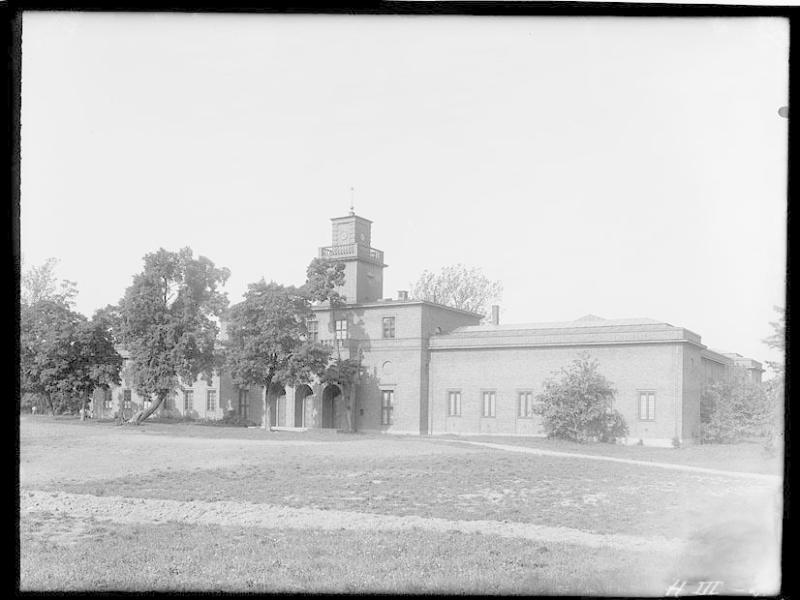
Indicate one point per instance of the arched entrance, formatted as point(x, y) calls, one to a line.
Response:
point(300, 394)
point(329, 396)
point(276, 391)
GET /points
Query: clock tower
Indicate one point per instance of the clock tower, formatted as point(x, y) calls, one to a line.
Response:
point(351, 239)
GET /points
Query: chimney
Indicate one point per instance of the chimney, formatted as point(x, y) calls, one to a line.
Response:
point(495, 314)
point(402, 295)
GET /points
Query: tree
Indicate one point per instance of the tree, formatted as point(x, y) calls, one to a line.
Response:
point(323, 277)
point(64, 356)
point(346, 374)
point(110, 319)
point(733, 410)
point(777, 341)
point(577, 404)
point(97, 364)
point(460, 287)
point(40, 283)
point(168, 321)
point(267, 340)
point(774, 388)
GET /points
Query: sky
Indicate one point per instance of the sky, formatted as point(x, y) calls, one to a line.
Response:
point(623, 167)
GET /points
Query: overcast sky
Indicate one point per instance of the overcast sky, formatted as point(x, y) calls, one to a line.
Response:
point(620, 167)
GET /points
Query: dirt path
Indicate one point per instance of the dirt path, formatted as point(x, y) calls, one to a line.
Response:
point(645, 463)
point(246, 514)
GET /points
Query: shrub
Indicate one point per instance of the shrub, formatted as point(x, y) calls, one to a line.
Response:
point(733, 410)
point(233, 418)
point(577, 405)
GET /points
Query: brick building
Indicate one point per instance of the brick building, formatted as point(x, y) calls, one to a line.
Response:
point(432, 369)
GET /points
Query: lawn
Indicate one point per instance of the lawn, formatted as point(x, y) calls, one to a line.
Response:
point(102, 557)
point(727, 524)
point(748, 456)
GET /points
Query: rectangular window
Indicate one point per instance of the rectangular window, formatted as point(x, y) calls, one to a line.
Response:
point(211, 399)
point(126, 398)
point(647, 406)
point(388, 327)
point(312, 325)
point(387, 405)
point(525, 405)
point(454, 404)
point(341, 329)
point(107, 398)
point(488, 404)
point(188, 400)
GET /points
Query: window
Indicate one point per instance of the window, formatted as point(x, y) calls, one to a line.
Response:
point(341, 329)
point(312, 325)
point(211, 400)
point(454, 404)
point(647, 406)
point(525, 409)
point(387, 402)
point(106, 398)
point(188, 400)
point(126, 398)
point(388, 327)
point(488, 404)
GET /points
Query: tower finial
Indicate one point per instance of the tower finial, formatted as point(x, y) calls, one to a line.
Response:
point(352, 210)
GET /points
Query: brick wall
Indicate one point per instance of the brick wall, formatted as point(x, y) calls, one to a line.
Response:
point(630, 368)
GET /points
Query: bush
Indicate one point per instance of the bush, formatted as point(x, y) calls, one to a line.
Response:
point(733, 410)
point(577, 405)
point(233, 418)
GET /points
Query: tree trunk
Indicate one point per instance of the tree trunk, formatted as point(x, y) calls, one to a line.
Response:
point(83, 407)
point(267, 385)
point(143, 415)
point(354, 407)
point(49, 398)
point(348, 407)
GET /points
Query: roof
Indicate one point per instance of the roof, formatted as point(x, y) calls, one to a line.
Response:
point(588, 321)
point(587, 330)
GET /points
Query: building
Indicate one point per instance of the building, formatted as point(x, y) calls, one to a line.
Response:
point(432, 369)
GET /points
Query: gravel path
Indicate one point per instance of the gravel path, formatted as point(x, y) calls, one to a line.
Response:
point(646, 463)
point(246, 514)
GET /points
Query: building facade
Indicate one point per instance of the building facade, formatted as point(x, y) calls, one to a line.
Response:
point(432, 369)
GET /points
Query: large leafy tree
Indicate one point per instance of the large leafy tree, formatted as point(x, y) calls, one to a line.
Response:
point(734, 409)
point(774, 388)
point(459, 286)
point(577, 404)
point(169, 322)
point(346, 373)
point(39, 282)
point(97, 364)
point(777, 341)
point(267, 340)
point(324, 278)
point(64, 356)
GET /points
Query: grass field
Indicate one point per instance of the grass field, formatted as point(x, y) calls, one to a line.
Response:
point(383, 514)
